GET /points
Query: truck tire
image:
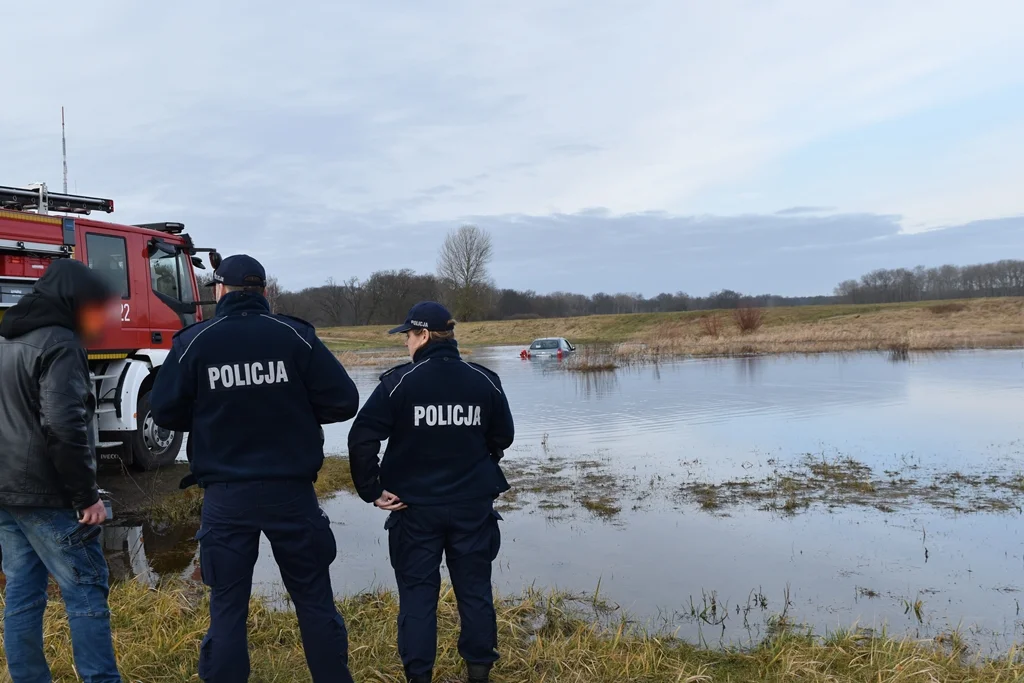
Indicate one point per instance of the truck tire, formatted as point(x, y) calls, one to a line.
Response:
point(153, 447)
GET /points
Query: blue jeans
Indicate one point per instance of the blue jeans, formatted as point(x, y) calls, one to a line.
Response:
point(37, 542)
point(300, 535)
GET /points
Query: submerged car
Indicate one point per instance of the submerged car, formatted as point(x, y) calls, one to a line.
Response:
point(549, 347)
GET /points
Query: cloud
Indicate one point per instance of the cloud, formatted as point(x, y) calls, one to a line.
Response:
point(596, 250)
point(796, 210)
point(608, 147)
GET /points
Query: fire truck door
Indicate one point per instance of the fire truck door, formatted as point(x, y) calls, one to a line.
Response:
point(110, 253)
point(173, 302)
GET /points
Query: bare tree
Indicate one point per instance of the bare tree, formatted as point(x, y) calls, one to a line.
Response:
point(273, 293)
point(352, 293)
point(206, 294)
point(333, 302)
point(462, 267)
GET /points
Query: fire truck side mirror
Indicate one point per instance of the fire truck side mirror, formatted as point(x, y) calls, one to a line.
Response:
point(215, 259)
point(198, 263)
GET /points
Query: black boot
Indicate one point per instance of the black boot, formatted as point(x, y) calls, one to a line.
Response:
point(422, 678)
point(479, 673)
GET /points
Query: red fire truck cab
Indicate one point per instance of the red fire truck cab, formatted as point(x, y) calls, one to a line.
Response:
point(152, 266)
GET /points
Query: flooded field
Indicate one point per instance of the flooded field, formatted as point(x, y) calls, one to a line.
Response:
point(716, 497)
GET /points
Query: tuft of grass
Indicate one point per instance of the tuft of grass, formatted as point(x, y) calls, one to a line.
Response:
point(601, 506)
point(543, 638)
point(748, 319)
point(706, 496)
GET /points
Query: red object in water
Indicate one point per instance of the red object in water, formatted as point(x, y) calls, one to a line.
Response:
point(524, 354)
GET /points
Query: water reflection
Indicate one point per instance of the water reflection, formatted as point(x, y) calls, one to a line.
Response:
point(747, 368)
point(147, 553)
point(596, 384)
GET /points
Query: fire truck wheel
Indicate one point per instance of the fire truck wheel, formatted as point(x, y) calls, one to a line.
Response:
point(153, 446)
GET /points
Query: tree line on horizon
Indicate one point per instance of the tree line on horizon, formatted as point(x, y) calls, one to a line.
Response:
point(463, 283)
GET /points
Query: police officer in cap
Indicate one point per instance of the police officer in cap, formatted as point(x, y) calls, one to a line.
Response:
point(253, 388)
point(447, 423)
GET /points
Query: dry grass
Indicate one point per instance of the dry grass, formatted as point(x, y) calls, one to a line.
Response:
point(980, 323)
point(711, 325)
point(945, 309)
point(353, 359)
point(898, 329)
point(543, 639)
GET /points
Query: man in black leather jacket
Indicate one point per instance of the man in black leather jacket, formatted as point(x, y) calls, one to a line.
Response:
point(49, 502)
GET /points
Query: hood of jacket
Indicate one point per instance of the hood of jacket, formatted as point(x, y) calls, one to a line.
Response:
point(55, 299)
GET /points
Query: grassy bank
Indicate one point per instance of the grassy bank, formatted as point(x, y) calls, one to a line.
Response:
point(184, 507)
point(974, 323)
point(157, 635)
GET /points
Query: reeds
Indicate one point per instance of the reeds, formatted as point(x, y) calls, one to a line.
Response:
point(543, 638)
point(591, 360)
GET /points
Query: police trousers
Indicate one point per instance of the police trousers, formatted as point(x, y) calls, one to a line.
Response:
point(300, 534)
point(468, 535)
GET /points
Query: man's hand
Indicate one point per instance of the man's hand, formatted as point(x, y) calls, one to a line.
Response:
point(390, 502)
point(94, 514)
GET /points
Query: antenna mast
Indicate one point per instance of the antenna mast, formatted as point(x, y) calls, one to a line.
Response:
point(64, 149)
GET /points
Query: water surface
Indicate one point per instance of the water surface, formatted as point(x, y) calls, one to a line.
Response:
point(920, 571)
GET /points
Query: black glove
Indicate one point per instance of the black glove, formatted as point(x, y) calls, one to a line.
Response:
point(188, 481)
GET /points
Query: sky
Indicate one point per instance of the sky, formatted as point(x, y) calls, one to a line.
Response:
point(679, 145)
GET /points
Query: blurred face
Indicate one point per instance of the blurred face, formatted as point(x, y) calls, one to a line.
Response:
point(415, 340)
point(219, 291)
point(94, 319)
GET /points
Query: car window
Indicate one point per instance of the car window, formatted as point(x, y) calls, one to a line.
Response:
point(544, 345)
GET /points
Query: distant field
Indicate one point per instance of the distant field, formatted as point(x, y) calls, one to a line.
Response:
point(932, 325)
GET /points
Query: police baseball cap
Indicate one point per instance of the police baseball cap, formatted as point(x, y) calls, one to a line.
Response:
point(427, 315)
point(240, 270)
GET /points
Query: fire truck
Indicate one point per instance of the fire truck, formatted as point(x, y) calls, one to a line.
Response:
point(151, 264)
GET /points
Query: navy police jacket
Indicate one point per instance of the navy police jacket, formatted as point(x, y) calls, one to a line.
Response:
point(447, 423)
point(252, 389)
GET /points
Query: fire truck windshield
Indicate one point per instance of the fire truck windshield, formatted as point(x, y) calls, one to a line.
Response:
point(171, 278)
